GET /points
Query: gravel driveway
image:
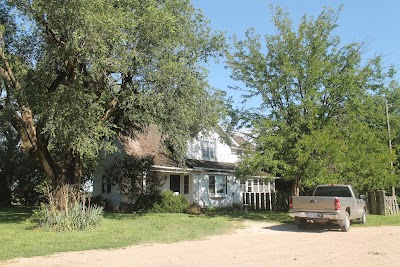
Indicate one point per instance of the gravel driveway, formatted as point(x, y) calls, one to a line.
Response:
point(258, 244)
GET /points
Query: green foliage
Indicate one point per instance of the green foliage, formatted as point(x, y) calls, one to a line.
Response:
point(90, 70)
point(145, 202)
point(67, 209)
point(135, 177)
point(322, 116)
point(77, 217)
point(21, 177)
point(170, 203)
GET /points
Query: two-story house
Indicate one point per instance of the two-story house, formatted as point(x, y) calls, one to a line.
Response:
point(207, 179)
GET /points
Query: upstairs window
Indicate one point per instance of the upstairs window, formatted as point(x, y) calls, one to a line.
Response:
point(218, 185)
point(208, 150)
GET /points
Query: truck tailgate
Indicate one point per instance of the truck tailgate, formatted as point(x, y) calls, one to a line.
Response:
point(311, 203)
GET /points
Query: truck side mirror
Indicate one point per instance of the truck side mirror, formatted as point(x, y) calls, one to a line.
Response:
point(363, 197)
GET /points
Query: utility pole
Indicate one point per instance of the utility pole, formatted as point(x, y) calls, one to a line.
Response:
point(390, 142)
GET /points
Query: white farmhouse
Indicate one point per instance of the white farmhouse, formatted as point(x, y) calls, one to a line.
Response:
point(208, 178)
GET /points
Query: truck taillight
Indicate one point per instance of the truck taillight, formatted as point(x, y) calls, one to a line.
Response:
point(290, 203)
point(337, 203)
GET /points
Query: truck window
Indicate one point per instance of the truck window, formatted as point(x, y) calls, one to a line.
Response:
point(332, 191)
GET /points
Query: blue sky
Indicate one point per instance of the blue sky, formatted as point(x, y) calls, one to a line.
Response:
point(375, 21)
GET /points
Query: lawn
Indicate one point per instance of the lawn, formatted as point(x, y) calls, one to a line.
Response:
point(18, 239)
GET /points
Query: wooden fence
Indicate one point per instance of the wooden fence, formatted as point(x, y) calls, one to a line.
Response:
point(278, 201)
point(379, 203)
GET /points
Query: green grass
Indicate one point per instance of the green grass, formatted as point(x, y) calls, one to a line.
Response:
point(18, 239)
point(379, 220)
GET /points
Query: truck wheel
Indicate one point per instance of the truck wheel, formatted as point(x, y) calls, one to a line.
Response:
point(363, 219)
point(345, 224)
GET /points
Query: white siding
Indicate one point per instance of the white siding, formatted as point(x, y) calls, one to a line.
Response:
point(223, 151)
point(114, 198)
point(203, 197)
point(198, 180)
point(189, 196)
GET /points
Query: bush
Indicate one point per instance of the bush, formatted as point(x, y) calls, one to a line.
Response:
point(100, 201)
point(147, 202)
point(170, 203)
point(195, 209)
point(67, 210)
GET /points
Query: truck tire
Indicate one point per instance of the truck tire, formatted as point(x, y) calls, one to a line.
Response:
point(345, 224)
point(363, 219)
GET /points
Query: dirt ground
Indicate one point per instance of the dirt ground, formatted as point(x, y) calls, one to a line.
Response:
point(258, 244)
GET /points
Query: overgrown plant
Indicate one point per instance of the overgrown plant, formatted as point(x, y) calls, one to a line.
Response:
point(170, 203)
point(71, 210)
point(135, 177)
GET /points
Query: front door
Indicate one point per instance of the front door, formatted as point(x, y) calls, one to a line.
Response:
point(175, 183)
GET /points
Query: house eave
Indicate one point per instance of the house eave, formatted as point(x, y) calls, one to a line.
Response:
point(172, 169)
point(213, 170)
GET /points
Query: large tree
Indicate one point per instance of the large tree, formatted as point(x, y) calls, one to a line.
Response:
point(322, 117)
point(78, 73)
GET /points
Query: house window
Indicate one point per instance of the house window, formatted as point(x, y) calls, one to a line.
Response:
point(106, 185)
point(208, 150)
point(218, 185)
point(175, 183)
point(186, 184)
point(249, 186)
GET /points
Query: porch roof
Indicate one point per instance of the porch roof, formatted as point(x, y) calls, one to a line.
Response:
point(210, 165)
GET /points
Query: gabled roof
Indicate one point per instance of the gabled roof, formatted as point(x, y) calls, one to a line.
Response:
point(241, 142)
point(150, 143)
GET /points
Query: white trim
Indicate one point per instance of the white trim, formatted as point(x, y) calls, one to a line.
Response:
point(172, 169)
point(202, 169)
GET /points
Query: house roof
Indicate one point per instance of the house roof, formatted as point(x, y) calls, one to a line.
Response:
point(150, 143)
point(211, 165)
point(241, 142)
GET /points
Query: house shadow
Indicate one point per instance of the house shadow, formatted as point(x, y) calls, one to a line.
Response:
point(312, 228)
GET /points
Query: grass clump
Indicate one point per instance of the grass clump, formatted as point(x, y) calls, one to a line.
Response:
point(66, 210)
point(76, 217)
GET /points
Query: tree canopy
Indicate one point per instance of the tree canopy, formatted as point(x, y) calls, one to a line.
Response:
point(77, 73)
point(323, 117)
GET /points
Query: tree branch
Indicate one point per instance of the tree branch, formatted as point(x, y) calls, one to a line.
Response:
point(111, 109)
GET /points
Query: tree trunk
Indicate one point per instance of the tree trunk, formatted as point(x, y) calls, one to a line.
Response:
point(295, 187)
point(5, 192)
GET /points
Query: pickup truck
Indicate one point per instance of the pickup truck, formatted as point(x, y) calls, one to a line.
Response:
point(335, 204)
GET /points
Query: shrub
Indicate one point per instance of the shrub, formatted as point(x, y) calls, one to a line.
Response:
point(147, 202)
point(66, 210)
point(195, 209)
point(170, 203)
point(100, 201)
point(135, 177)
